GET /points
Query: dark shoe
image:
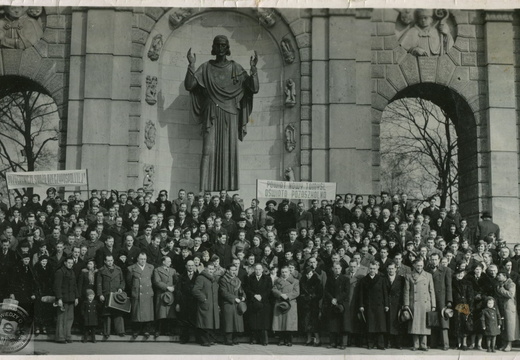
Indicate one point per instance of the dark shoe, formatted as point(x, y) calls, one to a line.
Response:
point(236, 342)
point(414, 349)
point(252, 342)
point(370, 347)
point(318, 344)
point(341, 347)
point(446, 348)
point(206, 344)
point(289, 344)
point(265, 344)
point(489, 350)
point(493, 350)
point(94, 339)
point(464, 348)
point(229, 343)
point(156, 335)
point(281, 343)
point(61, 342)
point(331, 346)
point(84, 340)
point(423, 349)
point(120, 335)
point(309, 343)
point(134, 336)
point(183, 341)
point(69, 341)
point(105, 337)
point(381, 348)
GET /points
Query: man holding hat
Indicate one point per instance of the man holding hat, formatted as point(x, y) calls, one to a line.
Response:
point(164, 280)
point(232, 305)
point(110, 280)
point(335, 297)
point(285, 318)
point(139, 279)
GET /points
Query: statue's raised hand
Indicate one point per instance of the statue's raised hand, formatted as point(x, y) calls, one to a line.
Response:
point(191, 57)
point(254, 60)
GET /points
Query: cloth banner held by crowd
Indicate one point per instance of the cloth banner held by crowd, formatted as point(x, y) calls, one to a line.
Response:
point(295, 190)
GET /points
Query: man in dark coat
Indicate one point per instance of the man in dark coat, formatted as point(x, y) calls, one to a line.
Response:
point(205, 292)
point(223, 250)
point(110, 280)
point(7, 261)
point(395, 287)
point(185, 302)
point(258, 287)
point(22, 284)
point(67, 295)
point(442, 279)
point(373, 301)
point(335, 298)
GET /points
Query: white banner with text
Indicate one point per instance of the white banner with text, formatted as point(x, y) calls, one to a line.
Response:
point(269, 189)
point(18, 180)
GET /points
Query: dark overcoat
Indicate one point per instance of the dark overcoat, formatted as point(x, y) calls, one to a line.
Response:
point(490, 321)
point(162, 278)
point(462, 294)
point(311, 292)
point(65, 287)
point(259, 313)
point(442, 279)
point(89, 312)
point(205, 290)
point(185, 299)
point(373, 297)
point(230, 288)
point(395, 302)
point(22, 284)
point(140, 284)
point(109, 281)
point(335, 288)
point(351, 322)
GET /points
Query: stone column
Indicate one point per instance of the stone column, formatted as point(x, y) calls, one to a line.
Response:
point(97, 137)
point(502, 133)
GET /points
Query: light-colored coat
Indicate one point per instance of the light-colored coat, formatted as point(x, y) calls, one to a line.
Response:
point(230, 288)
point(419, 295)
point(289, 320)
point(140, 283)
point(507, 305)
point(162, 278)
point(205, 291)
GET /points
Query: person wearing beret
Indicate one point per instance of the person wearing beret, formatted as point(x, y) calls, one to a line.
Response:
point(286, 290)
point(110, 279)
point(164, 281)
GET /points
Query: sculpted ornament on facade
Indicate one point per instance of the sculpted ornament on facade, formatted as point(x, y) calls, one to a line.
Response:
point(266, 17)
point(290, 140)
point(424, 32)
point(178, 16)
point(287, 51)
point(151, 90)
point(289, 174)
point(149, 175)
point(155, 47)
point(20, 27)
point(290, 93)
point(150, 133)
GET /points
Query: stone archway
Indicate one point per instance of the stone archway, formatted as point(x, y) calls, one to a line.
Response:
point(464, 120)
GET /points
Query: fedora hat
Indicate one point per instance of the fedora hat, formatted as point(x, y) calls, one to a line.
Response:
point(446, 313)
point(241, 308)
point(284, 307)
point(120, 298)
point(167, 298)
point(405, 315)
point(486, 214)
point(339, 308)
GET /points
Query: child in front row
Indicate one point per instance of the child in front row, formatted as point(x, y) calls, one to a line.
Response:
point(491, 322)
point(89, 311)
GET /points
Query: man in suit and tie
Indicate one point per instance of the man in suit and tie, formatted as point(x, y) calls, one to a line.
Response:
point(395, 288)
point(185, 303)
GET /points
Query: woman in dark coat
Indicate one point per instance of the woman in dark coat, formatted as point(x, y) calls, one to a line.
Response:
point(44, 311)
point(311, 292)
point(462, 290)
point(231, 295)
point(259, 315)
point(335, 299)
point(482, 288)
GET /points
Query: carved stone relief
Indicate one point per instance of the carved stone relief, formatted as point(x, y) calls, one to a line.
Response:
point(287, 51)
point(20, 26)
point(149, 177)
point(290, 93)
point(155, 47)
point(178, 16)
point(150, 133)
point(289, 174)
point(290, 138)
point(266, 17)
point(151, 90)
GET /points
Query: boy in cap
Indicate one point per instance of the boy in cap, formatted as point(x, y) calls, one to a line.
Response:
point(89, 312)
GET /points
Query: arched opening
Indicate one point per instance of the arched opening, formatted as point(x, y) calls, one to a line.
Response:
point(444, 123)
point(29, 127)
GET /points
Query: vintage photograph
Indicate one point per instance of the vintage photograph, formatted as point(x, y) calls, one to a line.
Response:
point(259, 181)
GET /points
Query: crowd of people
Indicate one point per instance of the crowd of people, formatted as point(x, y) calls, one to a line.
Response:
point(377, 274)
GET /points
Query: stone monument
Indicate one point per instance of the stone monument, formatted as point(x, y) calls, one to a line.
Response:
point(222, 100)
